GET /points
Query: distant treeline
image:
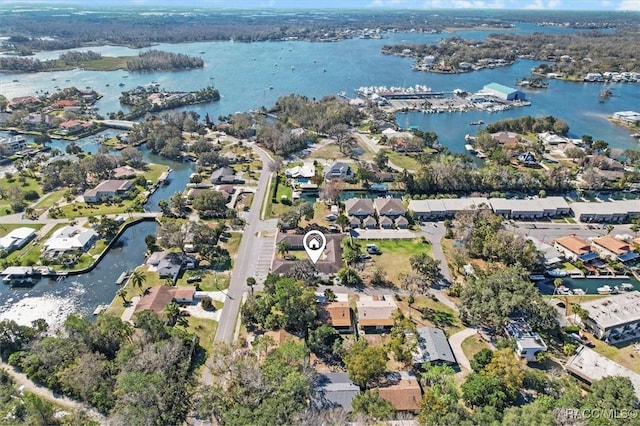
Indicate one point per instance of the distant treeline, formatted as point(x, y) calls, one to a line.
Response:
point(158, 60)
point(43, 30)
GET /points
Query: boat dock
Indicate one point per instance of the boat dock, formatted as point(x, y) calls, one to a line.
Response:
point(123, 277)
point(164, 178)
point(99, 309)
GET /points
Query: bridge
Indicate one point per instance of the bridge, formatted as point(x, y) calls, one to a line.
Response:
point(118, 124)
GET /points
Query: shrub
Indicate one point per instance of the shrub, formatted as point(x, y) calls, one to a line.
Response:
point(207, 303)
point(571, 329)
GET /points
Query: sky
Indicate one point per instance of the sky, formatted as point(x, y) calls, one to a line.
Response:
point(393, 4)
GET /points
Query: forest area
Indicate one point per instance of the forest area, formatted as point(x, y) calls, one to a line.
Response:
point(571, 54)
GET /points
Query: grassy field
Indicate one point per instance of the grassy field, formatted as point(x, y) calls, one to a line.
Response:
point(49, 200)
point(328, 152)
point(153, 171)
point(75, 210)
point(233, 244)
point(277, 209)
point(472, 345)
point(403, 161)
point(16, 181)
point(426, 312)
point(211, 280)
point(625, 355)
point(394, 259)
point(205, 329)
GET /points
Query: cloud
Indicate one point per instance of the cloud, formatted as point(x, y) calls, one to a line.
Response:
point(629, 5)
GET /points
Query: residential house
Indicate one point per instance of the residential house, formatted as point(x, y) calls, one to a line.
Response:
point(528, 343)
point(334, 390)
point(338, 315)
point(390, 207)
point(70, 239)
point(613, 249)
point(339, 170)
point(73, 126)
point(590, 366)
point(505, 137)
point(629, 117)
point(527, 159)
point(575, 248)
point(170, 264)
point(22, 102)
point(445, 207)
point(401, 222)
point(107, 190)
point(16, 239)
point(552, 256)
point(157, 298)
point(548, 138)
point(611, 211)
point(375, 313)
point(360, 208)
point(369, 222)
point(223, 175)
point(402, 390)
point(386, 222)
point(433, 347)
point(329, 263)
point(64, 103)
point(615, 318)
point(13, 144)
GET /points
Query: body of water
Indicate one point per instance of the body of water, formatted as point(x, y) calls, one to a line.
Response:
point(253, 75)
point(589, 285)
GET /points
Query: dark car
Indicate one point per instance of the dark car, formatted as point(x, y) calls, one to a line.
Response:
point(194, 279)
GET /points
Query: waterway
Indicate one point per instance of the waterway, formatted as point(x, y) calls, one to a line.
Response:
point(252, 75)
point(589, 285)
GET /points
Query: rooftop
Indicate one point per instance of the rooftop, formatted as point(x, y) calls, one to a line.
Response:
point(433, 346)
point(335, 390)
point(338, 314)
point(500, 88)
point(525, 337)
point(614, 310)
point(612, 244)
point(403, 391)
point(574, 244)
point(591, 366)
point(376, 311)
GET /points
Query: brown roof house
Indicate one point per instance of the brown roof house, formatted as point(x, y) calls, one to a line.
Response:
point(338, 315)
point(402, 390)
point(361, 209)
point(614, 249)
point(575, 248)
point(391, 212)
point(375, 313)
point(329, 263)
point(158, 297)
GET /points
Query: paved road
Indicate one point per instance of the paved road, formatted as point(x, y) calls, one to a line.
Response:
point(24, 383)
point(455, 342)
point(247, 255)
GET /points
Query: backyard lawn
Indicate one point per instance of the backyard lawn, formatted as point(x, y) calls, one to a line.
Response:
point(472, 345)
point(394, 259)
point(426, 312)
point(30, 254)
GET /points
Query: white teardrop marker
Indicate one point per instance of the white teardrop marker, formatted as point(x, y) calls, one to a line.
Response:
point(314, 243)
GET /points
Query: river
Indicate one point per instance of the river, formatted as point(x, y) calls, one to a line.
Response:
point(252, 75)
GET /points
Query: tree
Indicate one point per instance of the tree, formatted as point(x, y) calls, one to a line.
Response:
point(137, 279)
point(507, 370)
point(122, 293)
point(480, 390)
point(381, 159)
point(612, 393)
point(132, 157)
point(107, 228)
point(304, 271)
point(365, 363)
point(349, 277)
point(150, 240)
point(481, 359)
point(372, 405)
point(283, 247)
point(343, 222)
point(426, 266)
point(210, 203)
point(173, 314)
point(556, 283)
point(322, 341)
point(251, 282)
point(538, 412)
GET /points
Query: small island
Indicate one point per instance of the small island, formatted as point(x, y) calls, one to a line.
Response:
point(151, 60)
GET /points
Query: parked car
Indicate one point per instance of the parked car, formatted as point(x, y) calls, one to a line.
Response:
point(194, 279)
point(373, 249)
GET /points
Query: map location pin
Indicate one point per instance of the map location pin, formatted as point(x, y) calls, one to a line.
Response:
point(314, 243)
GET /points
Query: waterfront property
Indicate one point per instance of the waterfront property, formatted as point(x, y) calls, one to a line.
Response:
point(375, 313)
point(575, 248)
point(614, 319)
point(614, 249)
point(108, 190)
point(552, 256)
point(340, 171)
point(17, 239)
point(158, 297)
point(334, 390)
point(611, 211)
point(503, 92)
point(432, 347)
point(391, 213)
point(589, 366)
point(170, 264)
point(445, 207)
point(223, 175)
point(528, 343)
point(536, 208)
point(69, 240)
point(9, 146)
point(360, 212)
point(628, 117)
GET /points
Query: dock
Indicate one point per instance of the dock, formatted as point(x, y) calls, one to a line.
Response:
point(99, 309)
point(123, 277)
point(164, 178)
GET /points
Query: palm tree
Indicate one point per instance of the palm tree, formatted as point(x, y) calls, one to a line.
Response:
point(123, 294)
point(174, 315)
point(556, 283)
point(251, 282)
point(137, 279)
point(283, 247)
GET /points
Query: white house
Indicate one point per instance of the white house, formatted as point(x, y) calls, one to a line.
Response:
point(13, 144)
point(69, 239)
point(16, 239)
point(528, 343)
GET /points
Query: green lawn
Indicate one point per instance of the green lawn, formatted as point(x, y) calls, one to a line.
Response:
point(153, 171)
point(328, 152)
point(472, 345)
point(426, 312)
point(403, 161)
point(233, 244)
point(394, 259)
point(5, 228)
point(211, 280)
point(74, 210)
point(205, 329)
point(50, 200)
point(30, 254)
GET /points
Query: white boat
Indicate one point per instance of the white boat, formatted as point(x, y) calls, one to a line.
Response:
point(627, 287)
point(564, 291)
point(606, 289)
point(557, 273)
point(579, 292)
point(636, 135)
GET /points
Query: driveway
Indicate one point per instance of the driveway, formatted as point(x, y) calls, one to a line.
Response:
point(455, 342)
